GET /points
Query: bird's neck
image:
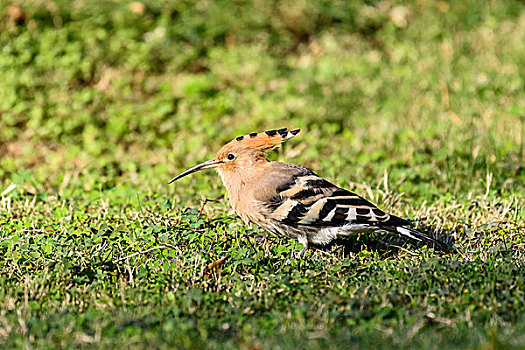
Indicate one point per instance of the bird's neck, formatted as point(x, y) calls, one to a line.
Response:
point(240, 181)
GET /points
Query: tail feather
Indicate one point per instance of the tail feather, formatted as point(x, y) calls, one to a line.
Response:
point(420, 237)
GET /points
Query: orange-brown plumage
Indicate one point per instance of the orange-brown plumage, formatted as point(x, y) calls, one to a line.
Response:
point(292, 201)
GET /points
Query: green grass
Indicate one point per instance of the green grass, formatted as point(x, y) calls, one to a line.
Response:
point(420, 108)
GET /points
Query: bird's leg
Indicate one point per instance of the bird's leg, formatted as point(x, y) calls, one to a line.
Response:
point(304, 241)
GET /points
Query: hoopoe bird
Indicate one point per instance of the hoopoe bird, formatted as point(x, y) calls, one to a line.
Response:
point(291, 201)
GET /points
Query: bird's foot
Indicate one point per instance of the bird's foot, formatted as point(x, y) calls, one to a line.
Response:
point(301, 254)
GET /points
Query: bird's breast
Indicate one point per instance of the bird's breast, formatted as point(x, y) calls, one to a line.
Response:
point(240, 196)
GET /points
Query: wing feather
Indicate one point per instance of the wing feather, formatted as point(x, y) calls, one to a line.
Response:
point(317, 202)
point(294, 198)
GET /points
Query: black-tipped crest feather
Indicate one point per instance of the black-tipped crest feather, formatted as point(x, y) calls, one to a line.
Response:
point(264, 140)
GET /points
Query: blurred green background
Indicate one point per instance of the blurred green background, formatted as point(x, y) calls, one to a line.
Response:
point(117, 88)
point(418, 105)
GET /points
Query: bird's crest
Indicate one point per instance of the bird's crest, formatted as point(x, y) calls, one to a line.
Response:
point(264, 140)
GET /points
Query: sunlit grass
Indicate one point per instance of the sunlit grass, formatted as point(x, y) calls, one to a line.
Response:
point(416, 106)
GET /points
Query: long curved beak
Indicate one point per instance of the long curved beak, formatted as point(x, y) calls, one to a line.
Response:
point(212, 163)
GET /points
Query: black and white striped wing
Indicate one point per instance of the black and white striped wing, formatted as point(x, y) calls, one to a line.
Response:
point(301, 199)
point(307, 199)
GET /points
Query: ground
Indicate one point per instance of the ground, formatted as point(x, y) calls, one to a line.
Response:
point(417, 106)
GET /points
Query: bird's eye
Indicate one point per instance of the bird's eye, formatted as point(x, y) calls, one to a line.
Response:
point(230, 156)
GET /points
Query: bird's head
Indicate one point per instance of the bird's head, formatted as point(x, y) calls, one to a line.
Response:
point(243, 152)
